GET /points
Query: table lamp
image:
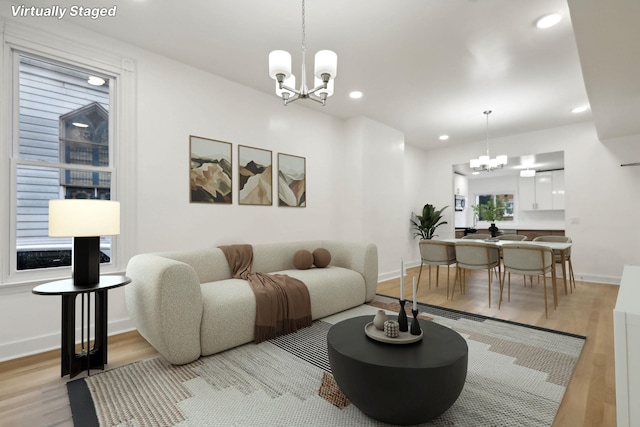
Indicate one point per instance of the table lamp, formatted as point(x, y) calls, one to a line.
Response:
point(85, 220)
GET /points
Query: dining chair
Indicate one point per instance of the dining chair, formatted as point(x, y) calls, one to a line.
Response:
point(518, 237)
point(529, 260)
point(558, 256)
point(476, 256)
point(436, 252)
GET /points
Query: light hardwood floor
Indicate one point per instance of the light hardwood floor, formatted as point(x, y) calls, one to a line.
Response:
point(590, 399)
point(33, 394)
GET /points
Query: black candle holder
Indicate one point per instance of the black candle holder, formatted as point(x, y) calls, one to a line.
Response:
point(402, 318)
point(415, 326)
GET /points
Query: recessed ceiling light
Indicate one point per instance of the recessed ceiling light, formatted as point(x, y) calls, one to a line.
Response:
point(443, 137)
point(356, 94)
point(548, 21)
point(80, 125)
point(581, 109)
point(96, 81)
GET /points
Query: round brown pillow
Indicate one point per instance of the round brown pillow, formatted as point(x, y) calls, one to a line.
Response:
point(321, 257)
point(302, 259)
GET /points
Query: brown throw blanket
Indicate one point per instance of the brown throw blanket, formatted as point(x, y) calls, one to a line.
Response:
point(282, 302)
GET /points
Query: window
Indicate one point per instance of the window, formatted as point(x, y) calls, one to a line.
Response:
point(63, 151)
point(494, 207)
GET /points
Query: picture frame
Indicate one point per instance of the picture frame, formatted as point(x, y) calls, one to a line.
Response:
point(210, 171)
point(292, 181)
point(255, 176)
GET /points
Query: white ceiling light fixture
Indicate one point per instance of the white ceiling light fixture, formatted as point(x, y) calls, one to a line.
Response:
point(528, 173)
point(443, 137)
point(326, 65)
point(548, 21)
point(486, 163)
point(356, 94)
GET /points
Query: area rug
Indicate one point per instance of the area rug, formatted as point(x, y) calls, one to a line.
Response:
point(517, 376)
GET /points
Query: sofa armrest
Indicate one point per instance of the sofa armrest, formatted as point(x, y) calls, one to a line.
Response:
point(165, 304)
point(360, 257)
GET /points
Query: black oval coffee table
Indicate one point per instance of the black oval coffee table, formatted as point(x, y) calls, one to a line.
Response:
point(400, 384)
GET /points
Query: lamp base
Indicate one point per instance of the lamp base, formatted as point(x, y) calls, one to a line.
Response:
point(86, 261)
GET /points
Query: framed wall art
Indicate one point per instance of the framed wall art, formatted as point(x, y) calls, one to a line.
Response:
point(292, 180)
point(210, 171)
point(255, 175)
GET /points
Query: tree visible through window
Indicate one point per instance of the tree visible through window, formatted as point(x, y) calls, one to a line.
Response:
point(63, 152)
point(494, 207)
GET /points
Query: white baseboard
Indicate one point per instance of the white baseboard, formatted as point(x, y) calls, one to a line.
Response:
point(43, 343)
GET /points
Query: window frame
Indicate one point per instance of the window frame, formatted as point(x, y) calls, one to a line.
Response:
point(19, 39)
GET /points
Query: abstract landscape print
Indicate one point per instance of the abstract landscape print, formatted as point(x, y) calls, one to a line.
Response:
point(210, 171)
point(292, 185)
point(255, 176)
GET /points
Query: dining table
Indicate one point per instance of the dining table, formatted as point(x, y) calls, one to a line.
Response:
point(557, 247)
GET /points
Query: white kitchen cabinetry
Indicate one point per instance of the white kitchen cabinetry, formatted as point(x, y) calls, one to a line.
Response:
point(557, 191)
point(545, 191)
point(626, 336)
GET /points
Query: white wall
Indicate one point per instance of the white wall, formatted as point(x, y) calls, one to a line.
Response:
point(602, 198)
point(355, 180)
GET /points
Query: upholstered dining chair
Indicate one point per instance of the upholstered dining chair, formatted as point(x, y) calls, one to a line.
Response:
point(518, 237)
point(528, 260)
point(558, 255)
point(476, 256)
point(436, 252)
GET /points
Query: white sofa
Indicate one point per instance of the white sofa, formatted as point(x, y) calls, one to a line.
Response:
point(185, 303)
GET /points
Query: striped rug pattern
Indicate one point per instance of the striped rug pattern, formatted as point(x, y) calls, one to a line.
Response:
point(517, 376)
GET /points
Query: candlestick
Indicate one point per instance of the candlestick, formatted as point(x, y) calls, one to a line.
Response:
point(402, 318)
point(401, 279)
point(415, 302)
point(415, 325)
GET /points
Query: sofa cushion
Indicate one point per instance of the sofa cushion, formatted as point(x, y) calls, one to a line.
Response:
point(331, 289)
point(302, 259)
point(321, 257)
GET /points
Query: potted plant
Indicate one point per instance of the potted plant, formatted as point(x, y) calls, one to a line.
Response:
point(492, 211)
point(425, 225)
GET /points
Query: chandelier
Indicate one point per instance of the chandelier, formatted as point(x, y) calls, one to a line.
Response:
point(326, 64)
point(486, 163)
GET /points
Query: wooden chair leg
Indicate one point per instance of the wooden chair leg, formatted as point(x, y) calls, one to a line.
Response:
point(546, 312)
point(419, 274)
point(509, 289)
point(429, 276)
point(489, 284)
point(437, 275)
point(572, 278)
point(501, 288)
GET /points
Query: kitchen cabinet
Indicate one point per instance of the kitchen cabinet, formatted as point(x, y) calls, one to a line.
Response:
point(545, 191)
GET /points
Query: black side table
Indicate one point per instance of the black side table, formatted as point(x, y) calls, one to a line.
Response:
point(73, 363)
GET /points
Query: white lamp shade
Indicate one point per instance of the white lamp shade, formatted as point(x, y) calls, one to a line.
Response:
point(502, 160)
point(474, 163)
point(528, 173)
point(279, 63)
point(484, 160)
point(326, 62)
point(291, 82)
point(493, 163)
point(83, 218)
point(328, 90)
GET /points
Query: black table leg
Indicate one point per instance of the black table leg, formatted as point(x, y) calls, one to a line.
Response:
point(99, 352)
point(90, 358)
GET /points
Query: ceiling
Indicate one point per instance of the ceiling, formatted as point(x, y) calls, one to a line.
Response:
point(426, 67)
